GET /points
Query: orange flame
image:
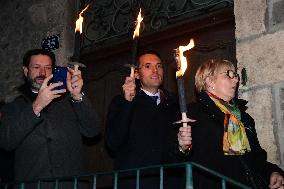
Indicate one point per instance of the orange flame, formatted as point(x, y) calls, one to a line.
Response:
point(79, 21)
point(182, 62)
point(137, 27)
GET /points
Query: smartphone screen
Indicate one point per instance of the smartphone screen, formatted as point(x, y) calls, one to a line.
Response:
point(59, 75)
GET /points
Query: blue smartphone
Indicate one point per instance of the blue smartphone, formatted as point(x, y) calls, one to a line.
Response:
point(59, 75)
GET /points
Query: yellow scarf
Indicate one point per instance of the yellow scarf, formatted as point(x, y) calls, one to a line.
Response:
point(235, 141)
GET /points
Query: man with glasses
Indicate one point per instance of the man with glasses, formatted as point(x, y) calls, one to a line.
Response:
point(140, 129)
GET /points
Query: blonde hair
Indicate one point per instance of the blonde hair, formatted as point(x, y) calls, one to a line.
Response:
point(209, 68)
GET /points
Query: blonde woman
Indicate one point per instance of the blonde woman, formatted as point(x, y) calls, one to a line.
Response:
point(224, 137)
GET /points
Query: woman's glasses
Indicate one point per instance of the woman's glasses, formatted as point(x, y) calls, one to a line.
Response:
point(231, 74)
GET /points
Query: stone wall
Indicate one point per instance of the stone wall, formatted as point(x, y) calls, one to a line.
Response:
point(260, 50)
point(23, 26)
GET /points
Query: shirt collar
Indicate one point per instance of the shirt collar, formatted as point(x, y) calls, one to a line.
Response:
point(158, 94)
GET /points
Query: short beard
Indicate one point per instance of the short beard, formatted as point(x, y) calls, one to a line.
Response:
point(33, 84)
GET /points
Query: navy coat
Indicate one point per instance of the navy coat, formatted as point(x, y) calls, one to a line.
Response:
point(141, 133)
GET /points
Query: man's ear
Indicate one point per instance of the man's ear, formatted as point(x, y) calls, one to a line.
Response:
point(136, 74)
point(26, 71)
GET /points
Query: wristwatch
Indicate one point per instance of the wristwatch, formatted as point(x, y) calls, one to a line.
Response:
point(79, 100)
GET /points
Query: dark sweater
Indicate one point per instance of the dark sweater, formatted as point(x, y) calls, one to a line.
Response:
point(49, 145)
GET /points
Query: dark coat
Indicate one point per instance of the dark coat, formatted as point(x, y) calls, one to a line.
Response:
point(140, 133)
point(207, 141)
point(49, 145)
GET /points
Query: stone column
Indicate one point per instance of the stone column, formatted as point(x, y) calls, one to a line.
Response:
point(260, 50)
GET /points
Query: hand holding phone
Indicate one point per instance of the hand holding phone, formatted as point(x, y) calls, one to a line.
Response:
point(46, 94)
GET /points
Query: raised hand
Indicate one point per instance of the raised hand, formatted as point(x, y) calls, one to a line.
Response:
point(129, 88)
point(74, 83)
point(46, 94)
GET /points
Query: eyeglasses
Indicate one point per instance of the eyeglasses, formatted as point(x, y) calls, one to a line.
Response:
point(150, 66)
point(231, 74)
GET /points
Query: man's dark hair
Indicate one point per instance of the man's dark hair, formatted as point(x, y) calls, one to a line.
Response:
point(30, 53)
point(148, 51)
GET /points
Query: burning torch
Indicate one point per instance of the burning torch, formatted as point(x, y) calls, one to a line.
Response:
point(135, 44)
point(181, 67)
point(77, 45)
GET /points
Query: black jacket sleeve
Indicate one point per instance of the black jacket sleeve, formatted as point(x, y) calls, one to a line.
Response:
point(117, 123)
point(17, 121)
point(261, 165)
point(87, 117)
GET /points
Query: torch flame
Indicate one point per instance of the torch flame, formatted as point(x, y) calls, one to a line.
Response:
point(79, 21)
point(182, 59)
point(137, 27)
